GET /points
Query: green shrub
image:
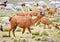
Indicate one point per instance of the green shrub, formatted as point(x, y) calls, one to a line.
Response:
point(32, 29)
point(55, 20)
point(44, 33)
point(19, 30)
point(37, 39)
point(15, 40)
point(35, 33)
point(33, 36)
point(4, 35)
point(5, 30)
point(22, 40)
point(27, 32)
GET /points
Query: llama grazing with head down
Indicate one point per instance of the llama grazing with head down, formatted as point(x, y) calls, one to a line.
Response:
point(23, 22)
point(47, 22)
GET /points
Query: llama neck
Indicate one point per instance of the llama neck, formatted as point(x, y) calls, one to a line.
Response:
point(36, 19)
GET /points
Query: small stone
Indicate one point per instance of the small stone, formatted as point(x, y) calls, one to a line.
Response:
point(38, 39)
point(4, 41)
point(28, 40)
point(43, 39)
point(51, 39)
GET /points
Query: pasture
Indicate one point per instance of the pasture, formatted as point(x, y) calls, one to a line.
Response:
point(39, 34)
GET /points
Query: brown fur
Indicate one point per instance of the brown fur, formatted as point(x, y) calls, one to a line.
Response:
point(31, 13)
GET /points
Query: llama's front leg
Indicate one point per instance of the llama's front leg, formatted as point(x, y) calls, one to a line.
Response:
point(29, 29)
point(23, 31)
point(44, 26)
point(49, 27)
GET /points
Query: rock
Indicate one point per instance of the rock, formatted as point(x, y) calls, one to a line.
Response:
point(4, 41)
point(38, 39)
point(49, 39)
point(28, 40)
point(44, 33)
point(43, 39)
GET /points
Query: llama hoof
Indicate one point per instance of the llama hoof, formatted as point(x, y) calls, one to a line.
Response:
point(8, 36)
point(21, 36)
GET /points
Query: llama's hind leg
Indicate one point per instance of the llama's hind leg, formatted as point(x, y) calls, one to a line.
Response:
point(13, 27)
point(23, 31)
point(10, 31)
point(13, 31)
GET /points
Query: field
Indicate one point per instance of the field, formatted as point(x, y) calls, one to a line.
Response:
point(38, 33)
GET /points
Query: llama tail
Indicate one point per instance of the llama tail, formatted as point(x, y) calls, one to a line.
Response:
point(10, 18)
point(1, 27)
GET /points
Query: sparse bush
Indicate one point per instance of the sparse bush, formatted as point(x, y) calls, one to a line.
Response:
point(19, 30)
point(5, 30)
point(37, 39)
point(33, 36)
point(35, 33)
point(32, 29)
point(15, 40)
point(4, 35)
point(22, 40)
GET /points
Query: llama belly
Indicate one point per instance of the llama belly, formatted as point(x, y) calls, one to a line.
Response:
point(24, 24)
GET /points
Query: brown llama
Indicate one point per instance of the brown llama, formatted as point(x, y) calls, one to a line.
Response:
point(23, 22)
point(47, 22)
point(51, 11)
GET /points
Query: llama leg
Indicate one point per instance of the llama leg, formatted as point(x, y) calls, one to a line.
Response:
point(38, 22)
point(12, 27)
point(14, 32)
point(49, 27)
point(10, 31)
point(44, 26)
point(30, 32)
point(29, 29)
point(23, 31)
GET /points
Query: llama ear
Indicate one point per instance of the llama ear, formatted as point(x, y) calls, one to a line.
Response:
point(42, 14)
